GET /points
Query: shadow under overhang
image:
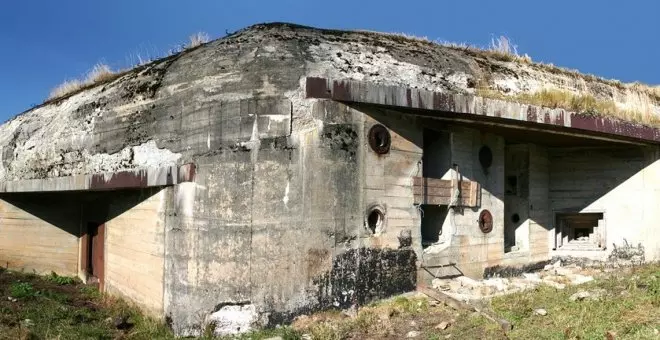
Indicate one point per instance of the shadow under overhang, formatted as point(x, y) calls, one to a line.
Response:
point(515, 121)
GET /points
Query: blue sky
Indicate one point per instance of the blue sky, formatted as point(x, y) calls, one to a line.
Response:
point(45, 42)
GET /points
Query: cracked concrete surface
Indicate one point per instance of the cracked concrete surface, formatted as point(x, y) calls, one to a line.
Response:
point(125, 108)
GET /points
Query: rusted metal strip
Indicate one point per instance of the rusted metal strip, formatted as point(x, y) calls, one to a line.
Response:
point(128, 179)
point(186, 173)
point(478, 108)
point(123, 179)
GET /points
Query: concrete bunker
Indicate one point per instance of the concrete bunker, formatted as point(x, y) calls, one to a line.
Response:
point(310, 193)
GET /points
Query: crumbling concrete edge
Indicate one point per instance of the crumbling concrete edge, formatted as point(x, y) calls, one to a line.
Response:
point(469, 107)
point(128, 179)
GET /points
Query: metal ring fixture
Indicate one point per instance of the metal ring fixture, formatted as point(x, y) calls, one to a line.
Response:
point(380, 139)
point(485, 221)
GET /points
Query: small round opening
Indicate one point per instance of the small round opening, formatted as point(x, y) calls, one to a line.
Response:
point(375, 220)
point(379, 139)
point(515, 218)
point(485, 157)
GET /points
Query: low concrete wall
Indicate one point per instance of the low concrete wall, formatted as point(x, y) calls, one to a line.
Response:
point(35, 236)
point(134, 248)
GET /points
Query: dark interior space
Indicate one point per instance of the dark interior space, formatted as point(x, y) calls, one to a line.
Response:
point(436, 161)
point(579, 230)
point(434, 217)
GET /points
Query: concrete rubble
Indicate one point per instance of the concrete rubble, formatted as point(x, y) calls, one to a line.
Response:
point(466, 289)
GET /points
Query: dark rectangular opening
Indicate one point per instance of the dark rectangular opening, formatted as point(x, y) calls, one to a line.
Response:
point(579, 231)
point(436, 162)
point(92, 233)
point(93, 255)
point(432, 221)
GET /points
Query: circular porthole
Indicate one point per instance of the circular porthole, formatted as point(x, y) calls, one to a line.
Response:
point(379, 139)
point(515, 218)
point(375, 220)
point(485, 157)
point(485, 221)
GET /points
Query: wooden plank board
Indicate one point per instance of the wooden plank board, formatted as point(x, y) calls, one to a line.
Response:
point(431, 182)
point(431, 191)
point(474, 194)
point(439, 191)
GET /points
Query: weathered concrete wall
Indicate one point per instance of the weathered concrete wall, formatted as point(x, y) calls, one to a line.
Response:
point(272, 227)
point(476, 250)
point(36, 234)
point(622, 183)
point(388, 179)
point(540, 216)
point(134, 248)
point(470, 251)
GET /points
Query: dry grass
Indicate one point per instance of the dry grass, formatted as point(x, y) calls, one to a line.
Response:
point(503, 48)
point(579, 103)
point(67, 87)
point(98, 74)
point(102, 73)
point(197, 39)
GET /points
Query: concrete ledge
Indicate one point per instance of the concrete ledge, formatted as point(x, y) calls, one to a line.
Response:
point(475, 107)
point(138, 178)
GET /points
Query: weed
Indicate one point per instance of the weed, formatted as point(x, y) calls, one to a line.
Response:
point(22, 290)
point(90, 292)
point(60, 280)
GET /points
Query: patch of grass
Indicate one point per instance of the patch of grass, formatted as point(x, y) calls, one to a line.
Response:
point(503, 48)
point(628, 305)
point(22, 290)
point(60, 280)
point(67, 87)
point(393, 319)
point(197, 39)
point(579, 103)
point(53, 307)
point(100, 73)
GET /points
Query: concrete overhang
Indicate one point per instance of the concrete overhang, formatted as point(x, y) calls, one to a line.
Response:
point(128, 179)
point(462, 108)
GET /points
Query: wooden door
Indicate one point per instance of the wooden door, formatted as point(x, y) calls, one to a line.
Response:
point(94, 252)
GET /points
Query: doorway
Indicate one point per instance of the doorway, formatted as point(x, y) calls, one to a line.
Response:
point(93, 259)
point(436, 163)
